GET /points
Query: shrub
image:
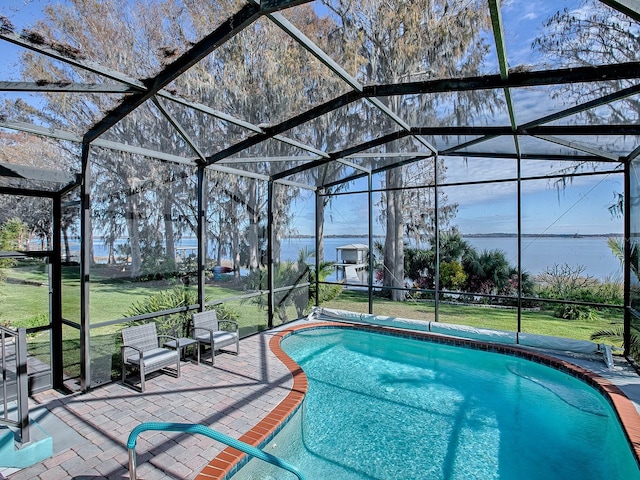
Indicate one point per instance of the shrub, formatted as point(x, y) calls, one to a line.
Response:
point(225, 312)
point(565, 282)
point(608, 292)
point(14, 235)
point(327, 293)
point(571, 311)
point(39, 320)
point(452, 276)
point(487, 272)
point(292, 274)
point(157, 267)
point(176, 324)
point(419, 263)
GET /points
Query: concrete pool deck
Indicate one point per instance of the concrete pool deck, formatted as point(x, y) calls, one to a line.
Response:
point(238, 397)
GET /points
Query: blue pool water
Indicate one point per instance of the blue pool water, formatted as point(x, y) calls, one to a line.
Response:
point(384, 407)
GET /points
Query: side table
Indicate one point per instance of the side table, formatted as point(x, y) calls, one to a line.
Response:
point(182, 345)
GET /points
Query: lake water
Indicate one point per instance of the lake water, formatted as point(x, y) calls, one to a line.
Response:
point(538, 254)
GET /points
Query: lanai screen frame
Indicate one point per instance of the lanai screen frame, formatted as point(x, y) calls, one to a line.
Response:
point(152, 89)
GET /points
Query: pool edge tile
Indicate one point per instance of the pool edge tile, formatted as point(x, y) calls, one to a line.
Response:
point(222, 468)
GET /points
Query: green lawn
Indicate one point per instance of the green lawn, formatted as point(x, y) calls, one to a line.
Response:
point(24, 295)
point(539, 322)
point(24, 301)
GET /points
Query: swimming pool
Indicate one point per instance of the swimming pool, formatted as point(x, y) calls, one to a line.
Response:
point(386, 407)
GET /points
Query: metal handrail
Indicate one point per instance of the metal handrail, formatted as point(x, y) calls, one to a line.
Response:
point(19, 340)
point(207, 432)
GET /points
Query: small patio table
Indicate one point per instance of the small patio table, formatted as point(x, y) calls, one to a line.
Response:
point(181, 346)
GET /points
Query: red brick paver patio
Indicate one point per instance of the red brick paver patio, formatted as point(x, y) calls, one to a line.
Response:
point(232, 397)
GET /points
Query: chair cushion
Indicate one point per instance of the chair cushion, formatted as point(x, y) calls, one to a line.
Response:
point(220, 338)
point(155, 358)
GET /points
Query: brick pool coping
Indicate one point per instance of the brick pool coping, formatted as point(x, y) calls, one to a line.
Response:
point(227, 463)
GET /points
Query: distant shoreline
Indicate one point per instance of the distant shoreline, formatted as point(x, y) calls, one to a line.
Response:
point(488, 235)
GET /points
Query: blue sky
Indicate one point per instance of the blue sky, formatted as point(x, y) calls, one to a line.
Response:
point(580, 208)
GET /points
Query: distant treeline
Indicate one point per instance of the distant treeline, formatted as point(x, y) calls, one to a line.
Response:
point(487, 235)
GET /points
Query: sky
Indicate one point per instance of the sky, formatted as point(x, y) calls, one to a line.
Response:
point(581, 207)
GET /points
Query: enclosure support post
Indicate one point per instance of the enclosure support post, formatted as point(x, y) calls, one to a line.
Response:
point(22, 384)
point(202, 235)
point(370, 276)
point(519, 222)
point(319, 235)
point(626, 340)
point(270, 273)
point(55, 284)
point(436, 231)
point(85, 259)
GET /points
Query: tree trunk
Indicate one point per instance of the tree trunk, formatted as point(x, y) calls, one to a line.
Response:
point(235, 241)
point(111, 260)
point(219, 248)
point(92, 254)
point(276, 248)
point(169, 240)
point(219, 253)
point(134, 234)
point(67, 248)
point(253, 236)
point(320, 206)
point(394, 244)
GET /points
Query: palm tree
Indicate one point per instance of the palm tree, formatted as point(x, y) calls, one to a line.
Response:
point(616, 245)
point(488, 272)
point(452, 246)
point(617, 333)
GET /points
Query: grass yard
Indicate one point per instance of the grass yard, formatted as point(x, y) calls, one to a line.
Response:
point(24, 301)
point(539, 322)
point(24, 294)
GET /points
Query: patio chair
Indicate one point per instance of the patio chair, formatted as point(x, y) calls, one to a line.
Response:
point(141, 349)
point(207, 332)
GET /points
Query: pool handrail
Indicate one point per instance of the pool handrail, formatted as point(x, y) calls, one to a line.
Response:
point(207, 432)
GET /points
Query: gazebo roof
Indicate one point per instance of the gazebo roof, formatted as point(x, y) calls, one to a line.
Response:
point(353, 246)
